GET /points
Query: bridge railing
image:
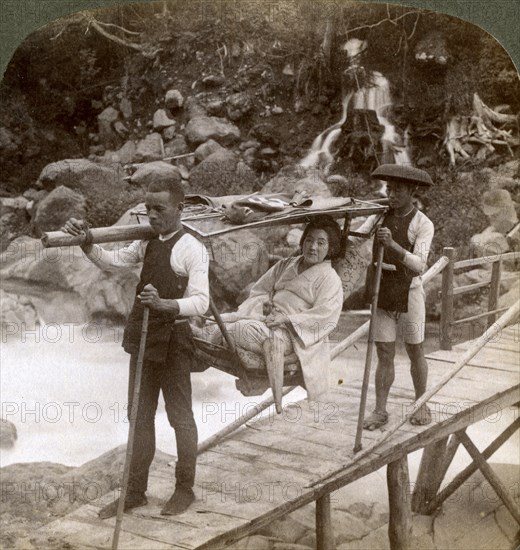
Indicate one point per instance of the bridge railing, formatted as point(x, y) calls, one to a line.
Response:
point(449, 292)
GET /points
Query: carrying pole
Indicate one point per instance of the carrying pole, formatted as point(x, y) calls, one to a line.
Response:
point(131, 432)
point(370, 349)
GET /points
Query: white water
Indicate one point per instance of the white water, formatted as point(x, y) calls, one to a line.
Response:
point(377, 98)
point(68, 398)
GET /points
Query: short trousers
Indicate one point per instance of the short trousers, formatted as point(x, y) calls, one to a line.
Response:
point(409, 326)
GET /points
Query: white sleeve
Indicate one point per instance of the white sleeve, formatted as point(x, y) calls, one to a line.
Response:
point(128, 256)
point(191, 259)
point(420, 232)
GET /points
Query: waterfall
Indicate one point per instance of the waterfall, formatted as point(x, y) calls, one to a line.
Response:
point(375, 97)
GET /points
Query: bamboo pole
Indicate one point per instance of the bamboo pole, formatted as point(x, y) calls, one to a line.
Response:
point(115, 233)
point(131, 433)
point(509, 316)
point(370, 349)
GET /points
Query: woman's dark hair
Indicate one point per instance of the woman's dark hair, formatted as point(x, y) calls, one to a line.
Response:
point(333, 230)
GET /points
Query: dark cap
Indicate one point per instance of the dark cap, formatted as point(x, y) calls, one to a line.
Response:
point(403, 174)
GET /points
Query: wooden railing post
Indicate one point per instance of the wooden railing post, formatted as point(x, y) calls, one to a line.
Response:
point(324, 532)
point(494, 290)
point(400, 518)
point(447, 300)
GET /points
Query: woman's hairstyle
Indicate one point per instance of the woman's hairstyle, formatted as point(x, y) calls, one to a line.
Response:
point(333, 230)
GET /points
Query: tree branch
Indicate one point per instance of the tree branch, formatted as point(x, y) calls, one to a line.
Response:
point(133, 33)
point(386, 20)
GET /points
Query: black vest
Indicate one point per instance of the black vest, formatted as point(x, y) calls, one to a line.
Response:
point(158, 272)
point(393, 292)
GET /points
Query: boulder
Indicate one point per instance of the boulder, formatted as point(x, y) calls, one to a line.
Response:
point(169, 133)
point(14, 218)
point(125, 106)
point(500, 209)
point(161, 120)
point(91, 179)
point(150, 148)
point(489, 242)
point(206, 149)
point(239, 259)
point(16, 309)
point(291, 179)
point(177, 146)
point(8, 434)
point(216, 107)
point(120, 129)
point(173, 100)
point(213, 80)
point(57, 207)
point(201, 129)
point(153, 172)
point(221, 173)
point(126, 154)
point(238, 105)
point(194, 109)
point(106, 121)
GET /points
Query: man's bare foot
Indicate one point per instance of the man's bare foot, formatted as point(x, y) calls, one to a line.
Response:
point(375, 420)
point(421, 417)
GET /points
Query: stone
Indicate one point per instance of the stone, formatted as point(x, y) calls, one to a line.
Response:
point(8, 140)
point(489, 243)
point(498, 206)
point(250, 143)
point(120, 129)
point(8, 434)
point(92, 179)
point(57, 207)
point(291, 179)
point(238, 105)
point(169, 133)
point(150, 148)
point(194, 109)
point(266, 152)
point(177, 146)
point(213, 80)
point(239, 259)
point(216, 107)
point(126, 153)
point(125, 106)
point(200, 129)
point(277, 110)
point(161, 120)
point(13, 204)
point(154, 172)
point(173, 100)
point(206, 149)
point(16, 309)
point(106, 121)
point(221, 174)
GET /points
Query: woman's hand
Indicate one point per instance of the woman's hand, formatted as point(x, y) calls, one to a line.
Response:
point(276, 319)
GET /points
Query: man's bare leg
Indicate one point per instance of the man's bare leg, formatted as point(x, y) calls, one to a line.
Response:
point(419, 372)
point(385, 374)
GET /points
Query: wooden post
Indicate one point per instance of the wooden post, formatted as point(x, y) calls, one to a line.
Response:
point(400, 518)
point(447, 300)
point(460, 478)
point(324, 533)
point(490, 475)
point(430, 475)
point(494, 290)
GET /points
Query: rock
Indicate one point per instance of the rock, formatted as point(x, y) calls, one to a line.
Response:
point(489, 242)
point(511, 296)
point(212, 81)
point(267, 135)
point(153, 172)
point(12, 204)
point(125, 106)
point(161, 120)
point(8, 140)
point(16, 309)
point(221, 174)
point(177, 146)
point(299, 106)
point(276, 110)
point(92, 179)
point(106, 121)
point(240, 258)
point(337, 180)
point(173, 100)
point(500, 210)
point(249, 144)
point(169, 133)
point(200, 129)
point(216, 107)
point(266, 152)
point(150, 148)
point(8, 434)
point(57, 207)
point(126, 154)
point(206, 149)
point(194, 109)
point(238, 105)
point(120, 129)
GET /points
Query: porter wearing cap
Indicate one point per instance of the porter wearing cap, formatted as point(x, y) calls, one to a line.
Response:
point(406, 235)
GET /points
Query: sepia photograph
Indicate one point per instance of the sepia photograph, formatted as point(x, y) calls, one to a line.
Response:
point(259, 275)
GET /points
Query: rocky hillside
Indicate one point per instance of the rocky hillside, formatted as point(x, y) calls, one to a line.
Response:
point(234, 100)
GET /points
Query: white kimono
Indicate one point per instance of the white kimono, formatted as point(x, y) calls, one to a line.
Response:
point(312, 300)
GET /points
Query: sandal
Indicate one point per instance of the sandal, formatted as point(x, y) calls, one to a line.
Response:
point(421, 417)
point(375, 421)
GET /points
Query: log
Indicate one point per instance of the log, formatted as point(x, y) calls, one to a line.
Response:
point(116, 233)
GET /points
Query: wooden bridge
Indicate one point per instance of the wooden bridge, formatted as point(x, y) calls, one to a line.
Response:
point(277, 464)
